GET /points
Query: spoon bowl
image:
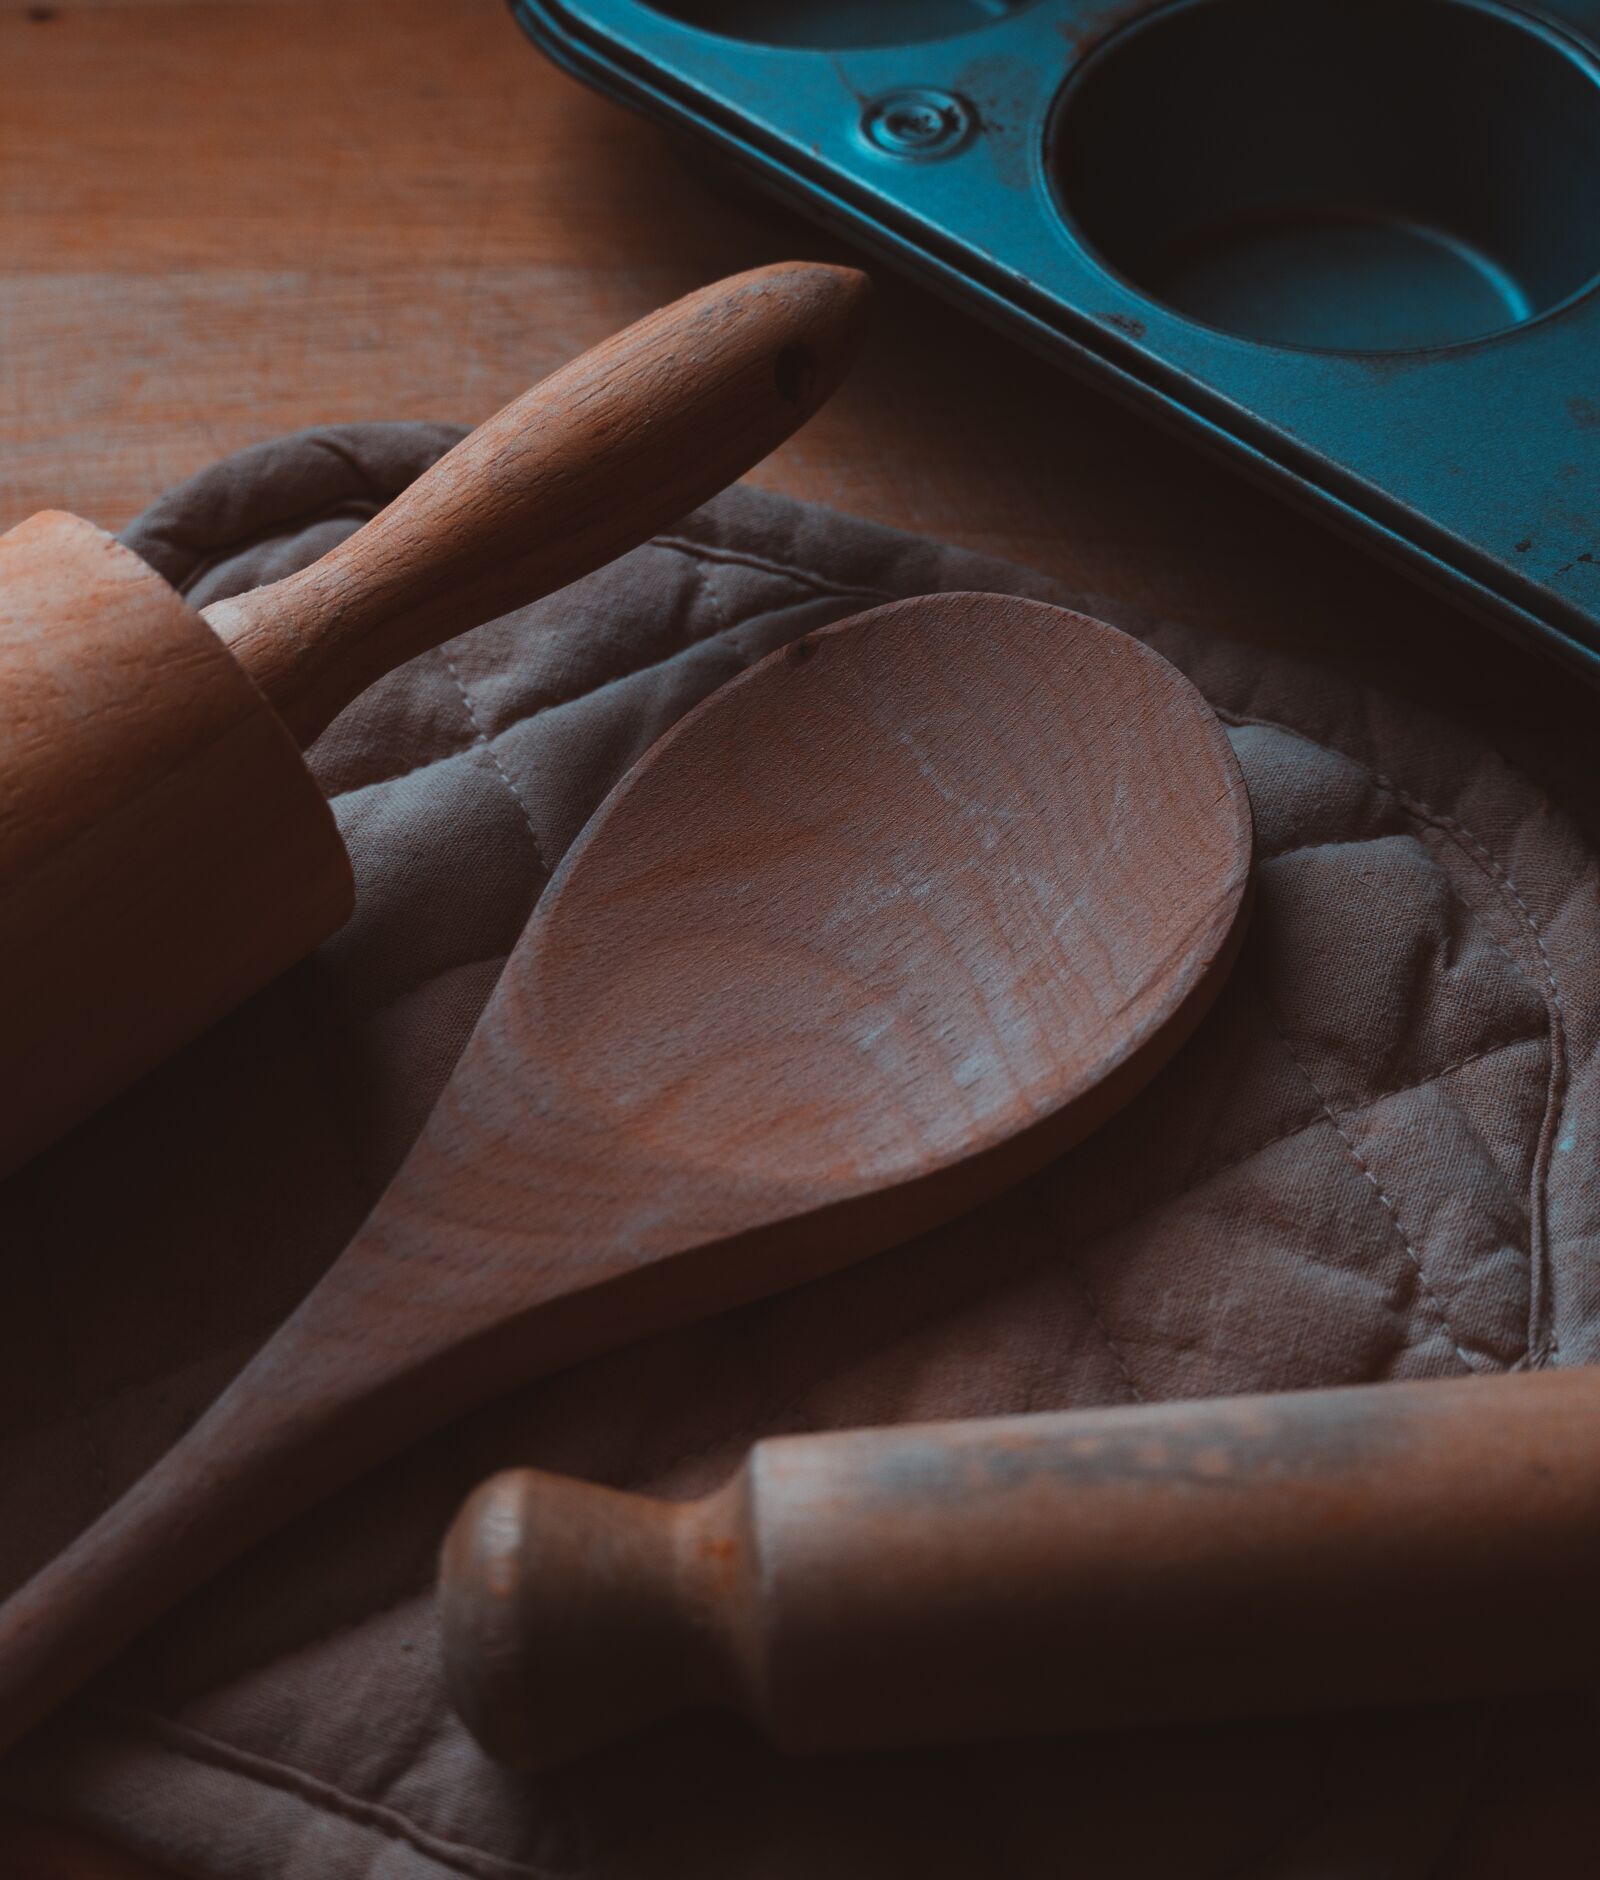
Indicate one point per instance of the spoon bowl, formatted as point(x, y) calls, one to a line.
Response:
point(881, 926)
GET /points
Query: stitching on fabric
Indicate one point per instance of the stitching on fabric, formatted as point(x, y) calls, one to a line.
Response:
point(356, 509)
point(1388, 1206)
point(427, 763)
point(1189, 1185)
point(628, 672)
point(1211, 1170)
point(802, 577)
point(197, 1746)
point(1192, 1183)
point(1460, 836)
point(1354, 841)
point(1458, 832)
point(316, 1793)
point(676, 544)
point(472, 1862)
point(482, 738)
point(360, 505)
point(1539, 1341)
point(1466, 839)
point(703, 567)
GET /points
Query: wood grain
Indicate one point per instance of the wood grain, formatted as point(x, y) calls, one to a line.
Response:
point(1100, 1569)
point(584, 466)
point(405, 212)
point(880, 927)
point(164, 852)
point(408, 213)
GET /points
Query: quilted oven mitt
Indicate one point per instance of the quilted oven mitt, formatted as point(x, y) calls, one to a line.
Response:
point(1371, 1162)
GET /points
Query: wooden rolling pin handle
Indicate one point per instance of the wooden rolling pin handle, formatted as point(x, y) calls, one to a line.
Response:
point(584, 466)
point(1252, 1556)
point(577, 1614)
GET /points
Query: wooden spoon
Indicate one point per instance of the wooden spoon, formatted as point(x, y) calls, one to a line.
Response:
point(881, 926)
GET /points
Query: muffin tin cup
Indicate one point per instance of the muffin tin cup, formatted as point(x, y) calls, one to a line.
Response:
point(1350, 243)
point(1345, 175)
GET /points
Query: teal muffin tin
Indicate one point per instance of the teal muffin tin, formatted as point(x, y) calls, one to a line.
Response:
point(1351, 244)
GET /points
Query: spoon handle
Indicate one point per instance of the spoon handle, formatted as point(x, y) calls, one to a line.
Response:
point(198, 1507)
point(578, 470)
point(1318, 1550)
point(297, 1423)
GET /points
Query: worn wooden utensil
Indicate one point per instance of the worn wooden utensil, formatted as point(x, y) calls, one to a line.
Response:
point(877, 928)
point(1319, 1550)
point(163, 848)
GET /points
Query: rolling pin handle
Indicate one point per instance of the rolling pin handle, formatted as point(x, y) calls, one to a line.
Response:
point(581, 1613)
point(583, 467)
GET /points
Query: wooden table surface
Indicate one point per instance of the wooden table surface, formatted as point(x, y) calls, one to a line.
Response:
point(221, 219)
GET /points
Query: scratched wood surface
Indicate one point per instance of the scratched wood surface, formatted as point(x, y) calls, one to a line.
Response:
point(221, 219)
point(227, 218)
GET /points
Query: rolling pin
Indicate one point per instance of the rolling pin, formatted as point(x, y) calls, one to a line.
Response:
point(1091, 1570)
point(164, 850)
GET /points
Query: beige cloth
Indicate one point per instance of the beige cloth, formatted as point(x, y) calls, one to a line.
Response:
point(1375, 1160)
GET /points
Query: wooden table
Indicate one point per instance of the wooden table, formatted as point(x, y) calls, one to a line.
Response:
point(221, 219)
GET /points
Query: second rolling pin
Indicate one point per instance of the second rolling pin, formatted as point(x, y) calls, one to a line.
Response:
point(1088, 1570)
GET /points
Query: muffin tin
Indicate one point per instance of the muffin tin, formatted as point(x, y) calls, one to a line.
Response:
point(1350, 243)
